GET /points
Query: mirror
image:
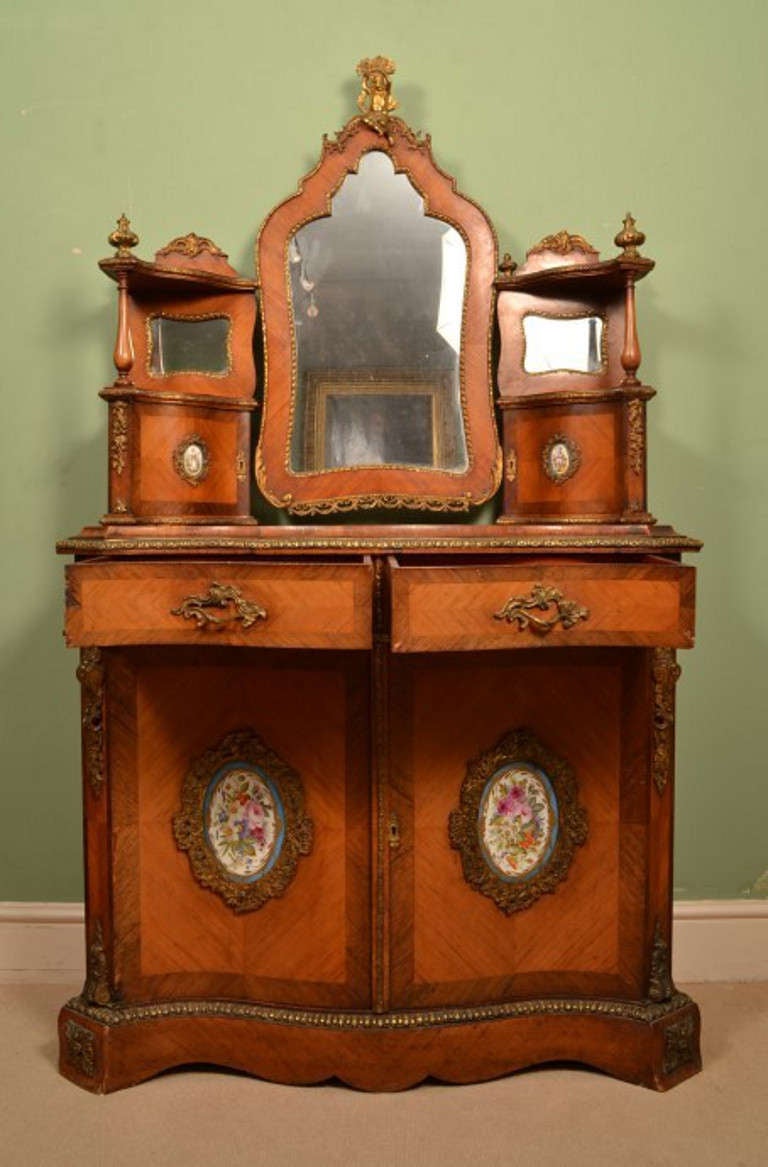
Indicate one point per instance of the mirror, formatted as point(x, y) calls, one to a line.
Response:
point(561, 344)
point(179, 344)
point(376, 296)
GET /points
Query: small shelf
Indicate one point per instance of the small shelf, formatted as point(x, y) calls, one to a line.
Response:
point(149, 278)
point(608, 275)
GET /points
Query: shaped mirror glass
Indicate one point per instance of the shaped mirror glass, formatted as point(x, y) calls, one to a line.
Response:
point(377, 295)
point(561, 344)
point(179, 344)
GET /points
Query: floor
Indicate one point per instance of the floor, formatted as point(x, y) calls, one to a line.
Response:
point(558, 1117)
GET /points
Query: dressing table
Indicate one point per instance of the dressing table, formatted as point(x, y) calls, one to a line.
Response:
point(377, 790)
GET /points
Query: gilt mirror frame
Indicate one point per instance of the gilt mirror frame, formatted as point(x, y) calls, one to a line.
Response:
point(321, 491)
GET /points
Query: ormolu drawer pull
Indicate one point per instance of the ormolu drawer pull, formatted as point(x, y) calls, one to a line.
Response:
point(521, 610)
point(219, 597)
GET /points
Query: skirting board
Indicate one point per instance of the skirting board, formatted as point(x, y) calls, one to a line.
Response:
point(41, 943)
point(713, 940)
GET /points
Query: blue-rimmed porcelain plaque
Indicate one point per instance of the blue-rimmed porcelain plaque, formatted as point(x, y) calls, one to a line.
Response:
point(244, 820)
point(518, 821)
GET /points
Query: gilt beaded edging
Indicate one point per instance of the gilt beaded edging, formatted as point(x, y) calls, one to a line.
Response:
point(643, 1011)
point(80, 544)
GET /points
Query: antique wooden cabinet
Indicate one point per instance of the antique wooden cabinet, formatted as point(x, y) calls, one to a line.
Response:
point(390, 797)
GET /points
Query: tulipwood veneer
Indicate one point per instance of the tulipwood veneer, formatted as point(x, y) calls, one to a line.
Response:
point(378, 802)
point(273, 605)
point(378, 963)
point(469, 608)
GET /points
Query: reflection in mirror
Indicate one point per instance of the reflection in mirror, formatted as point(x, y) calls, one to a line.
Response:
point(377, 296)
point(563, 344)
point(189, 345)
point(378, 417)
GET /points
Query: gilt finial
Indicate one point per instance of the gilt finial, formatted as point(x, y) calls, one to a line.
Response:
point(375, 100)
point(123, 238)
point(629, 238)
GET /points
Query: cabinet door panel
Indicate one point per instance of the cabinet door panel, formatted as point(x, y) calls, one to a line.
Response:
point(450, 943)
point(176, 938)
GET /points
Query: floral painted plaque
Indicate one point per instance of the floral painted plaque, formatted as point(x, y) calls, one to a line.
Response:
point(518, 823)
point(242, 821)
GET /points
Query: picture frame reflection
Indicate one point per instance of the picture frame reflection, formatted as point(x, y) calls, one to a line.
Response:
point(364, 418)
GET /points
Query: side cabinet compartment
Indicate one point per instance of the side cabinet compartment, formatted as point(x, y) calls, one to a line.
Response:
point(520, 781)
point(238, 781)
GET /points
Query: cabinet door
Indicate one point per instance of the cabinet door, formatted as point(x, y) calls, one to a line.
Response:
point(168, 712)
point(452, 943)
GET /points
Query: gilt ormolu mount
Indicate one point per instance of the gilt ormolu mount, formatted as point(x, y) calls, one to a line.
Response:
point(405, 778)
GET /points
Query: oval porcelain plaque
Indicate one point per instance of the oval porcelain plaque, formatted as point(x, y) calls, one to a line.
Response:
point(244, 821)
point(193, 461)
point(561, 458)
point(518, 821)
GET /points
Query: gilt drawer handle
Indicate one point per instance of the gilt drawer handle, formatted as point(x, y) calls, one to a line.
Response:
point(521, 610)
point(219, 597)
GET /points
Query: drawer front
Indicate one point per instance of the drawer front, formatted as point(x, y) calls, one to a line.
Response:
point(269, 605)
point(461, 608)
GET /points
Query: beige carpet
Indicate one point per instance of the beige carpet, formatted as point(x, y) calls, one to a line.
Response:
point(540, 1118)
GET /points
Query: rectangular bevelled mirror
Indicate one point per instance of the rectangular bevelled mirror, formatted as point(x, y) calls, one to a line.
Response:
point(187, 344)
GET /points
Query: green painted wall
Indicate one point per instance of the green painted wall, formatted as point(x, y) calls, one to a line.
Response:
point(194, 116)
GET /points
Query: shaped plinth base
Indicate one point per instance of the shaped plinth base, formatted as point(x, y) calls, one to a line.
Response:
point(107, 1048)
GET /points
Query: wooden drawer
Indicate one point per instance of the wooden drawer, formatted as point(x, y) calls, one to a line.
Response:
point(270, 605)
point(533, 604)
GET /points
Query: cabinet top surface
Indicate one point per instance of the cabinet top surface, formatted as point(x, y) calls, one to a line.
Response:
point(456, 539)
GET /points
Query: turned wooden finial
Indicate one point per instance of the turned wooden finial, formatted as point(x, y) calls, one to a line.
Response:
point(629, 238)
point(507, 264)
point(123, 238)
